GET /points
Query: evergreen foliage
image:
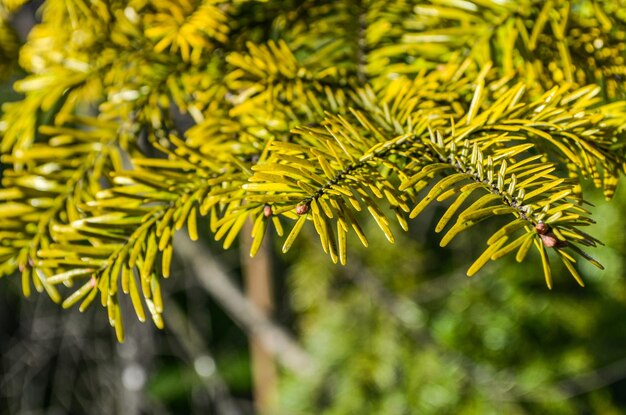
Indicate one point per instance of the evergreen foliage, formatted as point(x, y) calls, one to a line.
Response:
point(138, 117)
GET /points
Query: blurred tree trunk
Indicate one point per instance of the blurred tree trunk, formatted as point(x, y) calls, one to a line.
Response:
point(257, 273)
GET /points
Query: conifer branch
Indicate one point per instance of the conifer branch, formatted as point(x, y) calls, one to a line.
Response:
point(341, 107)
point(348, 159)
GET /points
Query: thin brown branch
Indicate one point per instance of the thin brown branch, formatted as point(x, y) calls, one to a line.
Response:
point(214, 279)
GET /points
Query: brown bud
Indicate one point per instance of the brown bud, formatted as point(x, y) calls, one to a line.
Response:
point(92, 282)
point(267, 211)
point(302, 209)
point(549, 240)
point(542, 228)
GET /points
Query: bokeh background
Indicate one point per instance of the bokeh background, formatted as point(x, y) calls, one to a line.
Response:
point(399, 330)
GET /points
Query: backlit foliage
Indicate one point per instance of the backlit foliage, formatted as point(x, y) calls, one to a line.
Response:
point(138, 117)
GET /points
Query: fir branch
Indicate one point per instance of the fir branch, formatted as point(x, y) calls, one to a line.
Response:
point(346, 161)
point(52, 194)
point(186, 29)
point(127, 226)
point(269, 81)
point(289, 128)
point(529, 35)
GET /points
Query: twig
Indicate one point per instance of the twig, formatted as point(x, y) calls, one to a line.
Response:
point(219, 285)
